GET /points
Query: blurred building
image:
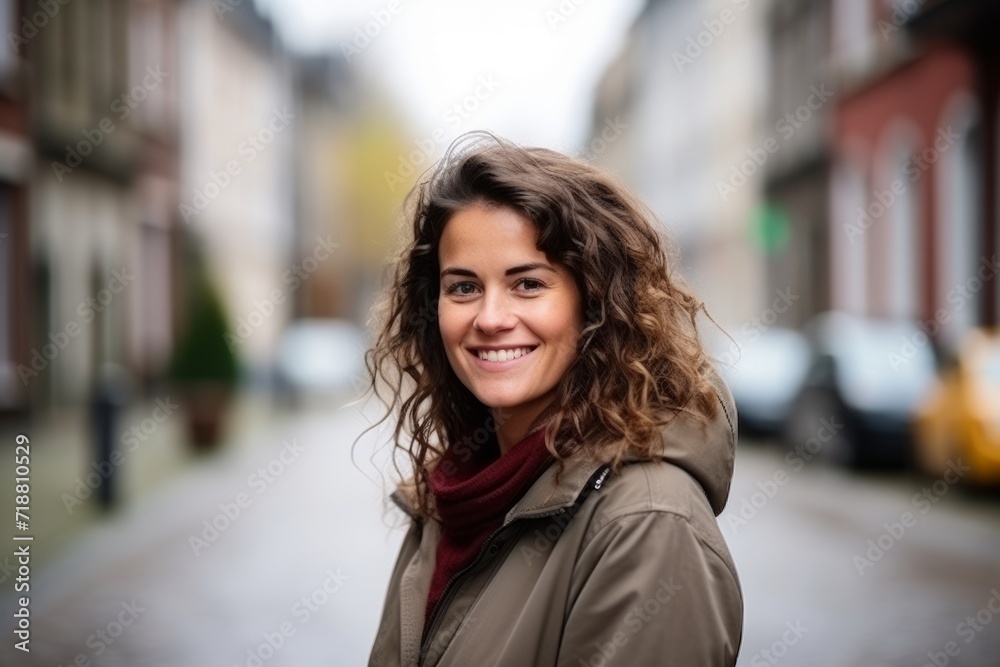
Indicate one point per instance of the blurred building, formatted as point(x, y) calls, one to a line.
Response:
point(914, 211)
point(346, 140)
point(674, 116)
point(838, 151)
point(102, 106)
point(15, 164)
point(373, 225)
point(971, 26)
point(132, 129)
point(237, 167)
point(323, 96)
point(154, 57)
point(792, 223)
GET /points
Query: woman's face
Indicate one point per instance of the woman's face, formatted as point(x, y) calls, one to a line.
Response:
point(502, 299)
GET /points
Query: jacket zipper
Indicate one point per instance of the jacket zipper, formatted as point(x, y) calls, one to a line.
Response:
point(446, 596)
point(594, 483)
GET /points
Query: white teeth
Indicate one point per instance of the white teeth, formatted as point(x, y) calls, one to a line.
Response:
point(503, 355)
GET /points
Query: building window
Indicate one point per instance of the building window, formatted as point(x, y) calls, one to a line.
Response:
point(849, 241)
point(853, 25)
point(958, 229)
point(902, 238)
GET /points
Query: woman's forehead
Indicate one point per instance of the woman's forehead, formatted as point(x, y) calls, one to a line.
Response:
point(489, 234)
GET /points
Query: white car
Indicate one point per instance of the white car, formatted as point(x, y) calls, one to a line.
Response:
point(321, 358)
point(764, 372)
point(869, 376)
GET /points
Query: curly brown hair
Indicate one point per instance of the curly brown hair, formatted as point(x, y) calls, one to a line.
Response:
point(640, 360)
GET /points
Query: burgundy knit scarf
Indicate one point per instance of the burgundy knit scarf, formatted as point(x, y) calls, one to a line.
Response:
point(473, 500)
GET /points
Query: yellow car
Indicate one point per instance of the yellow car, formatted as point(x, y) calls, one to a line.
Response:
point(961, 418)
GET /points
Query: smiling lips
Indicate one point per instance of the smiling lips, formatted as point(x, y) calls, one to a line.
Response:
point(499, 356)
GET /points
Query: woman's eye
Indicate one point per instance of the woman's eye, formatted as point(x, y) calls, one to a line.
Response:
point(462, 289)
point(471, 289)
point(531, 285)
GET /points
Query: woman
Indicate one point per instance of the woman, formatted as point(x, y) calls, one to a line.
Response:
point(570, 442)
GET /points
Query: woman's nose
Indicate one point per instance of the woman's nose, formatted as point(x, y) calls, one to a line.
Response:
point(495, 313)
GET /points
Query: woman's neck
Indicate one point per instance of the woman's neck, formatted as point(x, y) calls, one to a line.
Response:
point(515, 423)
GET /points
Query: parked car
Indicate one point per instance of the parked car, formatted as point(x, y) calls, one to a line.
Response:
point(961, 418)
point(320, 358)
point(865, 381)
point(765, 371)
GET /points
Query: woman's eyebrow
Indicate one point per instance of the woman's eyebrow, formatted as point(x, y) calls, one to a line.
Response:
point(459, 271)
point(528, 267)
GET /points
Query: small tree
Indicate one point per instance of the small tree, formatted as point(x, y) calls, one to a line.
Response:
point(203, 365)
point(202, 353)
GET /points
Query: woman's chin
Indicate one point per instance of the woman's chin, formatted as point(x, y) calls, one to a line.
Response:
point(501, 401)
point(498, 403)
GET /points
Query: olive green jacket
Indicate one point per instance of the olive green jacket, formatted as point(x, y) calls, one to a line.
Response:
point(601, 569)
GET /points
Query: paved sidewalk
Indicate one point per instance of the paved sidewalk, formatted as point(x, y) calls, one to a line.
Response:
point(64, 502)
point(276, 552)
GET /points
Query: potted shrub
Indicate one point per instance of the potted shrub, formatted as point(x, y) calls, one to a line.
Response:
point(203, 366)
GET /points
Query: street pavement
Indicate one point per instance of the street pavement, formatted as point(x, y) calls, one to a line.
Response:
point(841, 569)
point(277, 552)
point(290, 569)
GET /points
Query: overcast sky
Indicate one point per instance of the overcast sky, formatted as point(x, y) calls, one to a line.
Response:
point(541, 63)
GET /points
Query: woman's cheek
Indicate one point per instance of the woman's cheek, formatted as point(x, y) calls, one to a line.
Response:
point(452, 330)
point(446, 322)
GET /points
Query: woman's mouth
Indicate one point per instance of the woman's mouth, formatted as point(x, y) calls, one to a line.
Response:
point(502, 357)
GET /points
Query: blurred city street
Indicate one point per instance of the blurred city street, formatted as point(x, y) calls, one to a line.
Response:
point(306, 545)
point(296, 575)
point(200, 203)
point(796, 554)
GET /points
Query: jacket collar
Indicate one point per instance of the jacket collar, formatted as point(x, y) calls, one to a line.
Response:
point(705, 450)
point(544, 496)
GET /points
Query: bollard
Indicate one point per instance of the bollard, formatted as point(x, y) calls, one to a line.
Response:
point(108, 398)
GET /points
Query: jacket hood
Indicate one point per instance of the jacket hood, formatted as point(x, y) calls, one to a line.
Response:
point(705, 449)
